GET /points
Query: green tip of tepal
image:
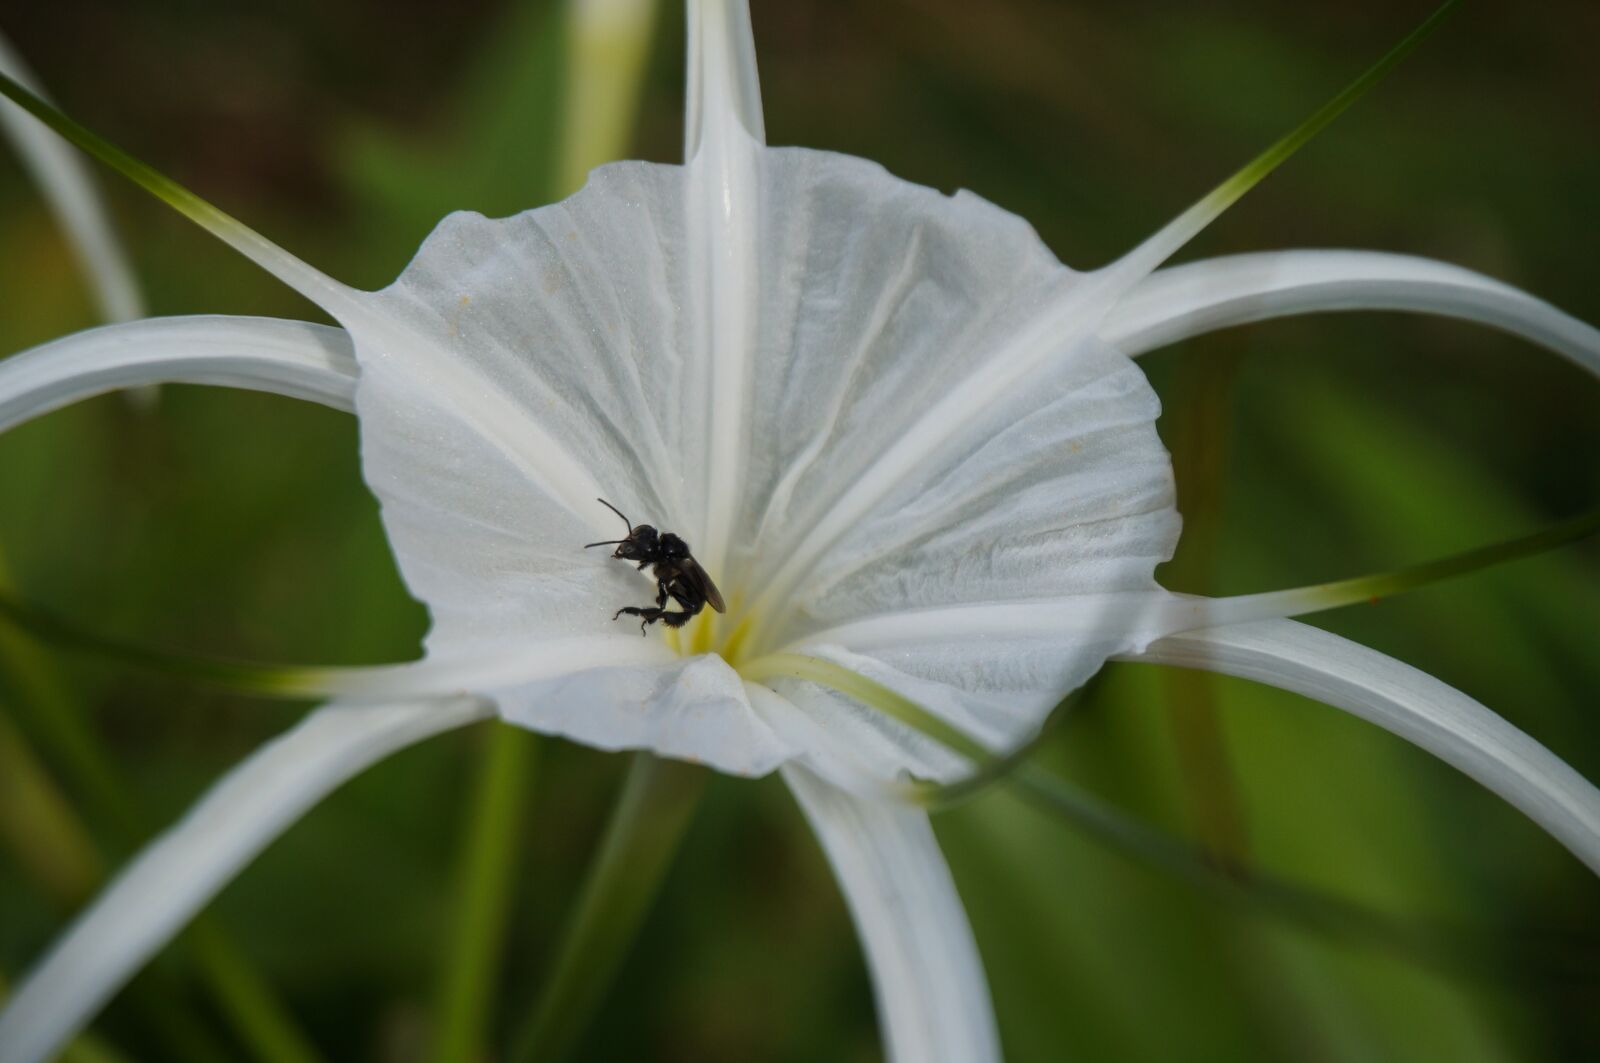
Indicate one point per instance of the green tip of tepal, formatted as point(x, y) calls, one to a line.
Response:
point(1150, 254)
point(141, 174)
point(319, 288)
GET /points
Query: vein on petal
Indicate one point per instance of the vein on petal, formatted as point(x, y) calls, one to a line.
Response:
point(888, 303)
point(1028, 349)
point(458, 386)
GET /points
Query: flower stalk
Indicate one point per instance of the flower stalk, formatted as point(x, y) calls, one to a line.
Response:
point(494, 821)
point(654, 810)
point(605, 50)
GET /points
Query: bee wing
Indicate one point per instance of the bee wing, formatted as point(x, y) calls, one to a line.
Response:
point(693, 573)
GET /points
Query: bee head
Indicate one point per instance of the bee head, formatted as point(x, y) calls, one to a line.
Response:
point(640, 545)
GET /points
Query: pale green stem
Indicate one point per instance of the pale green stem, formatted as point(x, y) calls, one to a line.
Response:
point(476, 936)
point(658, 800)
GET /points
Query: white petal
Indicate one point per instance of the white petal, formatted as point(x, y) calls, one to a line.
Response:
point(1174, 304)
point(1409, 703)
point(293, 358)
point(66, 184)
point(723, 134)
point(528, 365)
point(863, 749)
point(1063, 488)
point(177, 874)
point(943, 410)
point(836, 753)
point(612, 691)
point(933, 1001)
point(692, 708)
point(535, 362)
point(1143, 615)
point(993, 670)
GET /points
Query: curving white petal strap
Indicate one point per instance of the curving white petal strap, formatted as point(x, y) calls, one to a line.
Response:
point(181, 871)
point(1409, 703)
point(67, 186)
point(293, 358)
point(723, 135)
point(1136, 616)
point(1198, 297)
point(933, 1002)
point(724, 91)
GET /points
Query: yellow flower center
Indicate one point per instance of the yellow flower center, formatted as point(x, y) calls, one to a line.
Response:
point(726, 635)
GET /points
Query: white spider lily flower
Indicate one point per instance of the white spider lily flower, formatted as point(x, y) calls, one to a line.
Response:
point(906, 442)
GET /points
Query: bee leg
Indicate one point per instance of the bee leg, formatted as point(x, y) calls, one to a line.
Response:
point(647, 616)
point(688, 605)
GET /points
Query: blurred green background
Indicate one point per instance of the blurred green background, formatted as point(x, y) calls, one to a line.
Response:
point(237, 524)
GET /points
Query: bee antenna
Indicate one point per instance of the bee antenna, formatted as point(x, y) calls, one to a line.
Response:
point(608, 542)
point(619, 513)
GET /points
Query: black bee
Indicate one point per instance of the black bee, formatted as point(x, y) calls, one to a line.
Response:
point(678, 575)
